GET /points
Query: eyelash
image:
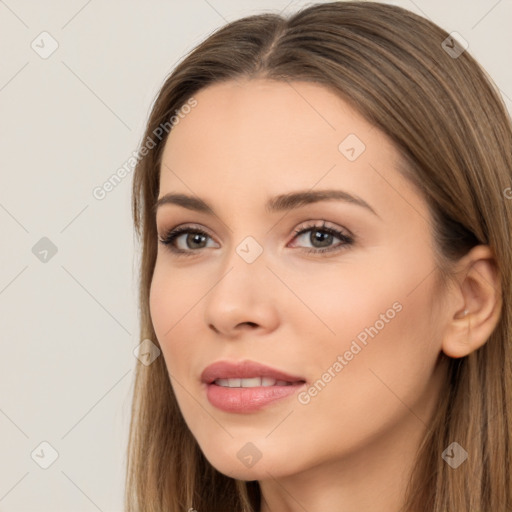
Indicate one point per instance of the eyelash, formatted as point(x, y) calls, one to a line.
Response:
point(171, 236)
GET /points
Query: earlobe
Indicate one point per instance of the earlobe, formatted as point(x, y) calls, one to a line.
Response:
point(479, 290)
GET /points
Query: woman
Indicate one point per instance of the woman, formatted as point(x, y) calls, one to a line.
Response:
point(325, 219)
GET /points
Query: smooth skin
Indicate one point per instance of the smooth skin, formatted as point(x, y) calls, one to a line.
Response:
point(352, 446)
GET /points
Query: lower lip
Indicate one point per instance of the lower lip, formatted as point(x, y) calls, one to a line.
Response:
point(247, 399)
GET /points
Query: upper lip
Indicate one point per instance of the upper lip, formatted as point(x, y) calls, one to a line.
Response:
point(244, 370)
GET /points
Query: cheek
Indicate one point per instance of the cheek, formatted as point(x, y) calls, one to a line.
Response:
point(174, 302)
point(378, 314)
point(345, 303)
point(167, 309)
point(170, 297)
point(380, 363)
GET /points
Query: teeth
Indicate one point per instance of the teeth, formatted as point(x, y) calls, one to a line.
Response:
point(251, 383)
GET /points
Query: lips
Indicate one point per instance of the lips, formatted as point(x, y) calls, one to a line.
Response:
point(247, 386)
point(245, 370)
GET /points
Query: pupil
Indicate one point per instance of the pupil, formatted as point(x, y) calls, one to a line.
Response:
point(195, 237)
point(320, 236)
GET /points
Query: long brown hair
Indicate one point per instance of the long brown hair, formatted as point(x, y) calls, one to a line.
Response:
point(452, 129)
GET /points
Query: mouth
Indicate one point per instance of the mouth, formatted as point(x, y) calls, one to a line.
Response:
point(252, 382)
point(247, 386)
point(246, 374)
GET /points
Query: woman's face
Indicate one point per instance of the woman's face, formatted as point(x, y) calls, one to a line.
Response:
point(358, 326)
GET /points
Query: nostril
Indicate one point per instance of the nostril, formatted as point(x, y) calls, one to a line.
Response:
point(241, 324)
point(250, 324)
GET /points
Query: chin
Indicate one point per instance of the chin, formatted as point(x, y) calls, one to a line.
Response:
point(249, 463)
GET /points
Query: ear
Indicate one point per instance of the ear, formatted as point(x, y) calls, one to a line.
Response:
point(477, 303)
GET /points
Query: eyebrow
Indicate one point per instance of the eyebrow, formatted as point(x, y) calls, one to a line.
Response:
point(282, 202)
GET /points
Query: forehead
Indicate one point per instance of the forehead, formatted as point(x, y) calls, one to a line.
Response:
point(259, 116)
point(272, 137)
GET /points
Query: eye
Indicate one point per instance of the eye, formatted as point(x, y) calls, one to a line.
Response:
point(321, 238)
point(193, 239)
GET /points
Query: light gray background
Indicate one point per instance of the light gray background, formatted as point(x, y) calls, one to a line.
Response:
point(67, 123)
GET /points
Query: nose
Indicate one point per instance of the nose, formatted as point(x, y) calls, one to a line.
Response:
point(244, 298)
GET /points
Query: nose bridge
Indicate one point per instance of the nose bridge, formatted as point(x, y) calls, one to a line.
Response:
point(246, 245)
point(240, 293)
point(244, 267)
